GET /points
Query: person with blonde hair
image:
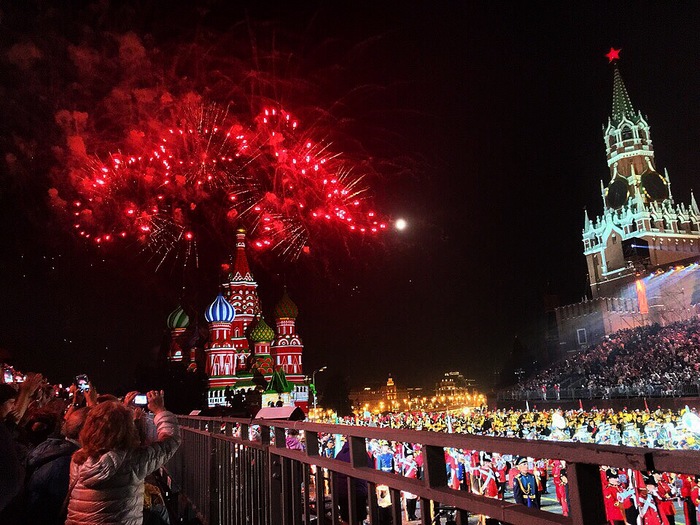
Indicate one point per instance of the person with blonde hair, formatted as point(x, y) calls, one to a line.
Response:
point(107, 474)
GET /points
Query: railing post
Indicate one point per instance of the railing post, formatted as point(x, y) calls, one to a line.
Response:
point(213, 481)
point(276, 477)
point(588, 508)
point(265, 435)
point(320, 497)
point(311, 443)
point(372, 503)
point(435, 469)
point(358, 459)
point(396, 505)
point(426, 517)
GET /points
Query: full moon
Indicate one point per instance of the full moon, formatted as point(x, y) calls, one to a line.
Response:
point(401, 224)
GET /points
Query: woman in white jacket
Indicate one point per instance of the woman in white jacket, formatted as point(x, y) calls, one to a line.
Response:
point(107, 473)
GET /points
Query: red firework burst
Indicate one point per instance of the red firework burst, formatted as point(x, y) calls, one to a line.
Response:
point(303, 189)
point(208, 166)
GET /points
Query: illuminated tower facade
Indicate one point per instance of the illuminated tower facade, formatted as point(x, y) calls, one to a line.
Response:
point(641, 227)
point(221, 354)
point(287, 347)
point(178, 321)
point(642, 252)
point(241, 291)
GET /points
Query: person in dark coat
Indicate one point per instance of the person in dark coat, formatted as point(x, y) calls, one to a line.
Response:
point(525, 490)
point(341, 489)
point(48, 470)
point(10, 465)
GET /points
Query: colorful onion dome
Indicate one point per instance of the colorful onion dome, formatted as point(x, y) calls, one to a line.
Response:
point(178, 319)
point(220, 311)
point(286, 309)
point(261, 332)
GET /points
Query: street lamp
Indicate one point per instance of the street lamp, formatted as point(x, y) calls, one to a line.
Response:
point(313, 382)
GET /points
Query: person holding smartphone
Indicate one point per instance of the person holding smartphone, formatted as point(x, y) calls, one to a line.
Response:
point(107, 474)
point(142, 417)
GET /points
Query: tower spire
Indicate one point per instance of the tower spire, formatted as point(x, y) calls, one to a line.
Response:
point(693, 203)
point(621, 105)
point(241, 269)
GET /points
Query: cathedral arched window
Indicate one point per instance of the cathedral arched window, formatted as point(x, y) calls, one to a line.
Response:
point(642, 134)
point(611, 141)
point(626, 133)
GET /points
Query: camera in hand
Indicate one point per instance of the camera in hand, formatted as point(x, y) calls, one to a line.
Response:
point(140, 400)
point(82, 382)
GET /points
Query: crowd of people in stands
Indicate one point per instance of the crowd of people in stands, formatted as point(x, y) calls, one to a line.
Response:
point(77, 457)
point(638, 361)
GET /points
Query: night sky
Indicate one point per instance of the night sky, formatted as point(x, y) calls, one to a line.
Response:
point(483, 123)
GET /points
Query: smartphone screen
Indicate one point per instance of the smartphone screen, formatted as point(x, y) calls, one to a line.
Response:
point(82, 382)
point(141, 399)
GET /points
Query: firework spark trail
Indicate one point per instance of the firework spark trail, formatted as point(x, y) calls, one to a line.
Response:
point(209, 164)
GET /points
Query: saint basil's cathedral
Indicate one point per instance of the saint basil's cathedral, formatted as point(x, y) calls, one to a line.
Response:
point(242, 348)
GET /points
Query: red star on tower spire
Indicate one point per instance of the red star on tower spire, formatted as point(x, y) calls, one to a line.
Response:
point(613, 54)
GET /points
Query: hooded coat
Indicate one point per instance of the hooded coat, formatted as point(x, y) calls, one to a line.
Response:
point(109, 490)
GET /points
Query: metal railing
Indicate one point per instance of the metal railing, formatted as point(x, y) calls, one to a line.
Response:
point(236, 471)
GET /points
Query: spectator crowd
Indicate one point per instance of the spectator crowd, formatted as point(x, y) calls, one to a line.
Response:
point(77, 457)
point(642, 361)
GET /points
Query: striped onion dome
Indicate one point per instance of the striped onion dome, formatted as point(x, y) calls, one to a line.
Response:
point(220, 311)
point(261, 332)
point(178, 319)
point(286, 309)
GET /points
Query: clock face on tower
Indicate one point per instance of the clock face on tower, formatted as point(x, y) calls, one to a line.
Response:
point(617, 193)
point(654, 186)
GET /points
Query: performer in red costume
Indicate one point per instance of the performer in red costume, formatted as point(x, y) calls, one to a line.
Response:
point(613, 507)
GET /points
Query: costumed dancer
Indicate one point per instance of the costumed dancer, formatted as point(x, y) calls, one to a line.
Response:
point(561, 485)
point(689, 493)
point(541, 474)
point(633, 480)
point(488, 478)
point(649, 504)
point(385, 460)
point(501, 467)
point(614, 511)
point(666, 492)
point(410, 470)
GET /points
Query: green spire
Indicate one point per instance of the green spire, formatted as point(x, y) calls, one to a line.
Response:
point(622, 105)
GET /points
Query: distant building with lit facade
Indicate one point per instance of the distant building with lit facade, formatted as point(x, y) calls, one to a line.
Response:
point(378, 397)
point(452, 391)
point(243, 352)
point(642, 253)
point(454, 384)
